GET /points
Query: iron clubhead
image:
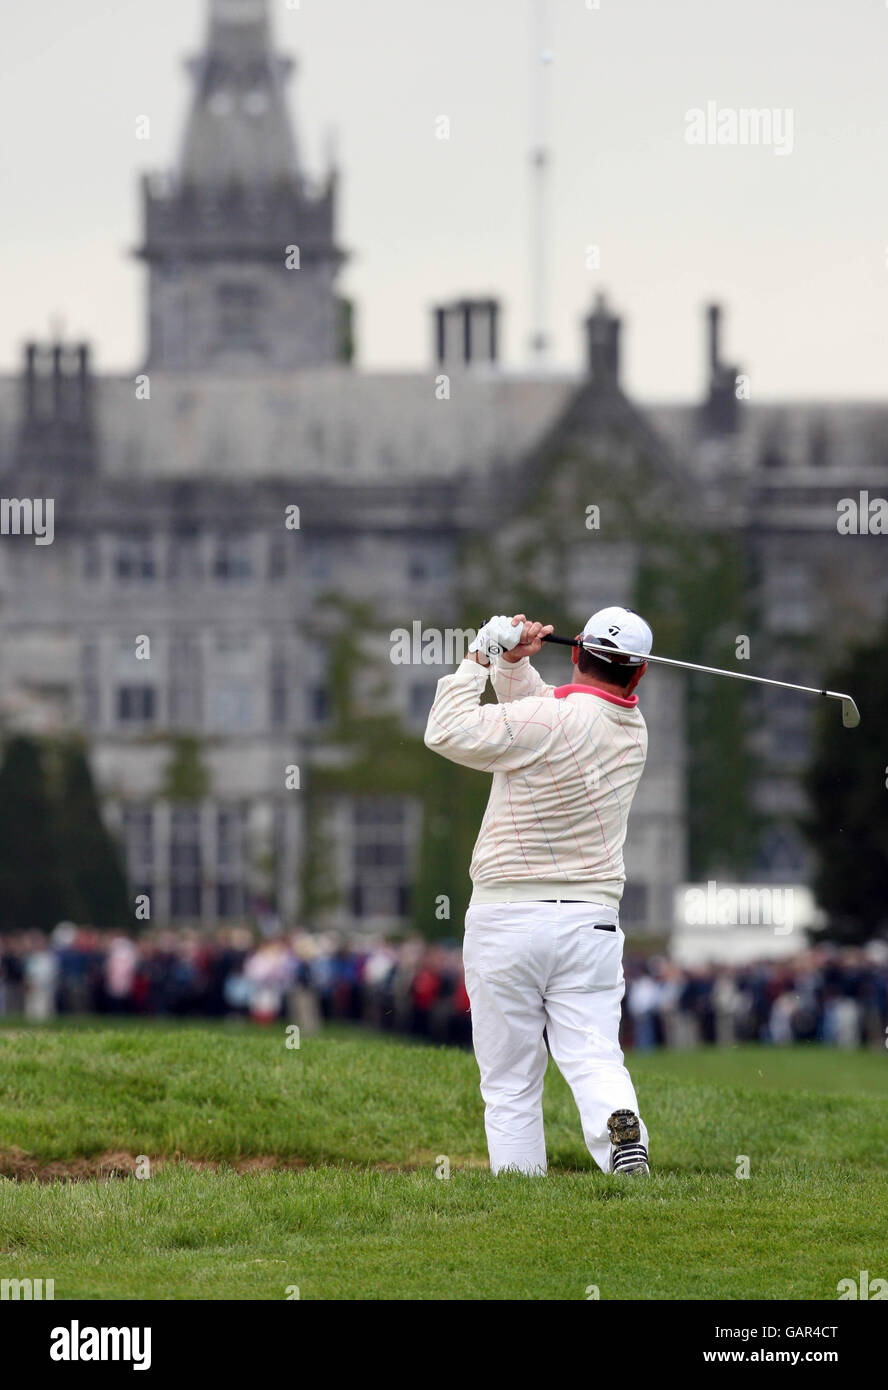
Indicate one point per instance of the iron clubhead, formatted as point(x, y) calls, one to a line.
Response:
point(850, 713)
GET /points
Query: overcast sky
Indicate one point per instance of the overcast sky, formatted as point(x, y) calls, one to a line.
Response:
point(796, 245)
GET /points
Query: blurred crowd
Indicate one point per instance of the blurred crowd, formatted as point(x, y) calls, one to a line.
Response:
point(412, 987)
point(825, 994)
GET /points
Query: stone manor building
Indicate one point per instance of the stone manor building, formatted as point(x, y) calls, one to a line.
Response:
point(224, 515)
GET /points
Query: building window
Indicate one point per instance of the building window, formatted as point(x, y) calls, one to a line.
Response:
point(233, 707)
point(428, 563)
point(136, 704)
point(792, 593)
point(372, 900)
point(233, 561)
point(138, 838)
point(134, 560)
point(319, 558)
point(229, 900)
point(634, 904)
point(231, 825)
point(791, 735)
point(185, 684)
point(422, 693)
point(279, 704)
point(239, 316)
point(184, 559)
point(234, 643)
point(92, 705)
point(381, 854)
point(186, 864)
point(92, 696)
point(781, 855)
point(92, 559)
point(320, 705)
point(277, 559)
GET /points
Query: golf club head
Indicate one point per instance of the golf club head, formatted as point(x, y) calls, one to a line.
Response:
point(850, 713)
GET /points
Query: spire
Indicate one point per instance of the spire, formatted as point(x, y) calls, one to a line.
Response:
point(241, 249)
point(239, 129)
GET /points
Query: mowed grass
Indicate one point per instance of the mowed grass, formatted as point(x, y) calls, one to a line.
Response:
point(367, 1218)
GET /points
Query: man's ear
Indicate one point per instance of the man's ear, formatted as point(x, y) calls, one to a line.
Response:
point(575, 652)
point(637, 677)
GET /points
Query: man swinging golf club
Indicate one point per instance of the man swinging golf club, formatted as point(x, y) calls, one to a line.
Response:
point(543, 946)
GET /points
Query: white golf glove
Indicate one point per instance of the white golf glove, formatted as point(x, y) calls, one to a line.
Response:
point(496, 636)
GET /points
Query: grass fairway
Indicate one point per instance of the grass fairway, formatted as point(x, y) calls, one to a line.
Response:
point(360, 1213)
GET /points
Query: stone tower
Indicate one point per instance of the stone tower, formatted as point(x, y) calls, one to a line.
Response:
point(241, 249)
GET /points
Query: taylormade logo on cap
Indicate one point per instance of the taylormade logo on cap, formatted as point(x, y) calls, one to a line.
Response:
point(620, 628)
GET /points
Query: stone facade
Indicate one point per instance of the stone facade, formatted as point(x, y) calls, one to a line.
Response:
point(244, 488)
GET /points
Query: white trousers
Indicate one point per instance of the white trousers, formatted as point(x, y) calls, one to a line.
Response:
point(535, 966)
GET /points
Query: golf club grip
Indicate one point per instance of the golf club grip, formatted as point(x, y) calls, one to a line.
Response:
point(562, 641)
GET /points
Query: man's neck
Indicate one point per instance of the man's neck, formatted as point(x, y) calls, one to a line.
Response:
point(607, 686)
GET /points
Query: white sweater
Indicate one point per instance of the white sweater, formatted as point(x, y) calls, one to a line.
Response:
point(565, 762)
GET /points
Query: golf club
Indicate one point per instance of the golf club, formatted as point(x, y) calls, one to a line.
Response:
point(850, 712)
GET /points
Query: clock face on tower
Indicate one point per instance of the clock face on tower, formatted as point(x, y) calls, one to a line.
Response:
point(256, 103)
point(221, 103)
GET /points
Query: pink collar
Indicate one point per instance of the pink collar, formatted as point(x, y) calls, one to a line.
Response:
point(627, 701)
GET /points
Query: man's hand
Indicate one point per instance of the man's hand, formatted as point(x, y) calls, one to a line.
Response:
point(531, 638)
point(492, 639)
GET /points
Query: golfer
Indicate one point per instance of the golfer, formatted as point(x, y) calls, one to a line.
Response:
point(543, 946)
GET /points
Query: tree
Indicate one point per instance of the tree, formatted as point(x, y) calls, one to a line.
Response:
point(31, 882)
point(848, 789)
point(91, 867)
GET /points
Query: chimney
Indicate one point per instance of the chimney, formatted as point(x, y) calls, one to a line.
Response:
point(714, 315)
point(603, 345)
point(56, 426)
point(466, 332)
point(719, 413)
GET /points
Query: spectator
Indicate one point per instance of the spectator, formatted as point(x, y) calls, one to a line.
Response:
point(643, 1006)
point(120, 973)
point(41, 976)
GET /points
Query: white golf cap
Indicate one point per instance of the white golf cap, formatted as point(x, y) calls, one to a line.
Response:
point(620, 628)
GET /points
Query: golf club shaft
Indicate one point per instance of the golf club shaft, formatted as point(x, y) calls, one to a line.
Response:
point(691, 666)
